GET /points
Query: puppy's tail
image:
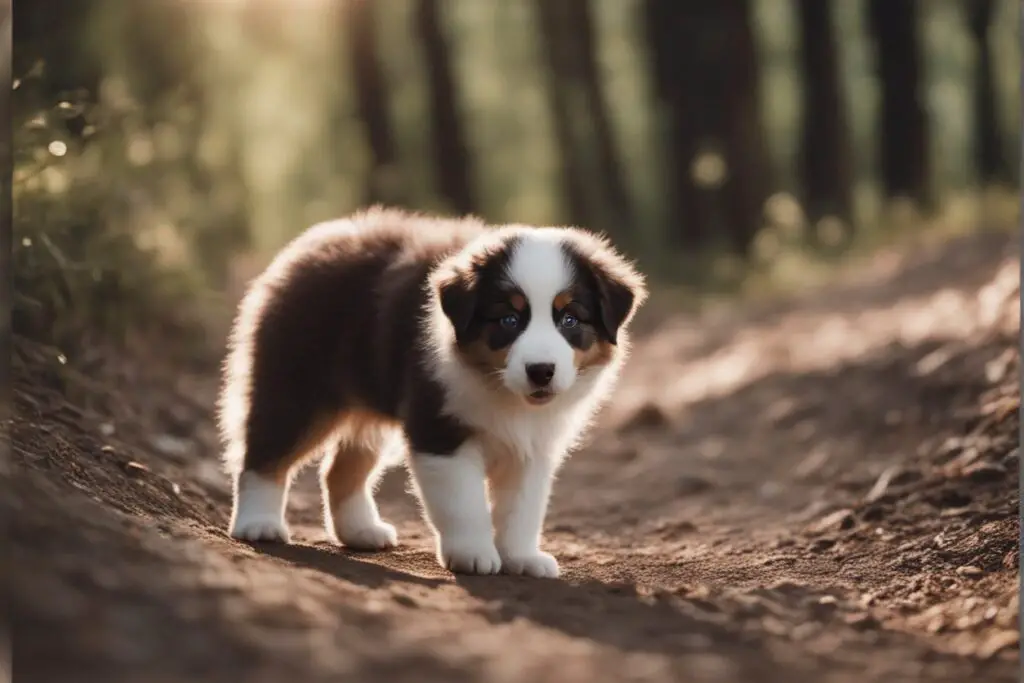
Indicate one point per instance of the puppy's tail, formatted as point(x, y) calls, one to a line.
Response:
point(234, 399)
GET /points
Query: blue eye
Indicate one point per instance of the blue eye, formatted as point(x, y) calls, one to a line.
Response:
point(509, 322)
point(570, 321)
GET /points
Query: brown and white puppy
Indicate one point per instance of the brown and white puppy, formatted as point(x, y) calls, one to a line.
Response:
point(479, 353)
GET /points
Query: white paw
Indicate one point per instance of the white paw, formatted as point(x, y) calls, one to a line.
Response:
point(470, 556)
point(374, 536)
point(260, 528)
point(538, 564)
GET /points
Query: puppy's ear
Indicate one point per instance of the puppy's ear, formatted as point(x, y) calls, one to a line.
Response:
point(456, 292)
point(620, 290)
point(616, 301)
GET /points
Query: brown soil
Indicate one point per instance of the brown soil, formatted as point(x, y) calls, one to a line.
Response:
point(820, 489)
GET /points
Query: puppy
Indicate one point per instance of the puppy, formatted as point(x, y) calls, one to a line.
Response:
point(478, 355)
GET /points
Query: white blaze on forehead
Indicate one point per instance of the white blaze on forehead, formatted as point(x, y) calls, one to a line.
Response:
point(540, 268)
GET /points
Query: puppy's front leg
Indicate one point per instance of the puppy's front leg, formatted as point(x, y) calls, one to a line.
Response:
point(520, 489)
point(454, 495)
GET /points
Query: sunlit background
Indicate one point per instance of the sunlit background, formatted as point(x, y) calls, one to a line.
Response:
point(708, 138)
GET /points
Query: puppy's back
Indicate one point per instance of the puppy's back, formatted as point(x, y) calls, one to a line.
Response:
point(332, 323)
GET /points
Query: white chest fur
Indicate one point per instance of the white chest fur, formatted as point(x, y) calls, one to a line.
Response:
point(506, 427)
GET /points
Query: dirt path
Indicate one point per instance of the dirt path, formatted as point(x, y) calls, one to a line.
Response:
point(823, 489)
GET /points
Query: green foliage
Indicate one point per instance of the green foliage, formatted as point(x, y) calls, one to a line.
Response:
point(79, 270)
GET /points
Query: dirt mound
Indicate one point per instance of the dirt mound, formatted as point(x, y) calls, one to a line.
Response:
point(810, 492)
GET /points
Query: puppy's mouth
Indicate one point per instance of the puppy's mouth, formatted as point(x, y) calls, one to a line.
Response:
point(540, 397)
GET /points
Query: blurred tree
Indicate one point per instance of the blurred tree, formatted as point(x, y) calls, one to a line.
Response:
point(579, 21)
point(904, 127)
point(825, 160)
point(705, 70)
point(453, 165)
point(6, 160)
point(49, 46)
point(384, 182)
point(593, 183)
point(993, 166)
point(51, 31)
point(557, 54)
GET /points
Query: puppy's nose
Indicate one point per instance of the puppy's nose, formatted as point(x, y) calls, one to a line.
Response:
point(540, 374)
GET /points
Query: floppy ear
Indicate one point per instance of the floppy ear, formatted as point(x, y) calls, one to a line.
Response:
point(620, 291)
point(616, 302)
point(456, 292)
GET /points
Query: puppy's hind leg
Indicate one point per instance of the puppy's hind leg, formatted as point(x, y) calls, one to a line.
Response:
point(349, 477)
point(273, 447)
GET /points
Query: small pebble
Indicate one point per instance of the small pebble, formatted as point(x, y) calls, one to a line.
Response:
point(985, 472)
point(135, 468)
point(998, 642)
point(1011, 459)
point(774, 626)
point(840, 519)
point(822, 544)
point(405, 600)
point(881, 484)
point(969, 571)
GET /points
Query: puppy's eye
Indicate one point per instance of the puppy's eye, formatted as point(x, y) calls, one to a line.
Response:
point(569, 321)
point(509, 321)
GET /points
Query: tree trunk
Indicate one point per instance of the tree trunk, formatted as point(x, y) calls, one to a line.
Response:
point(673, 35)
point(452, 160)
point(991, 160)
point(384, 181)
point(745, 188)
point(705, 72)
point(597, 190)
point(558, 62)
point(613, 186)
point(825, 157)
point(7, 218)
point(904, 130)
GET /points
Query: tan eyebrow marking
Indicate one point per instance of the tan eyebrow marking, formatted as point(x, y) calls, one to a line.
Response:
point(563, 300)
point(518, 301)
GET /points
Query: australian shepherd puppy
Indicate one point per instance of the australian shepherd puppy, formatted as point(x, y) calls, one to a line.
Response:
point(478, 355)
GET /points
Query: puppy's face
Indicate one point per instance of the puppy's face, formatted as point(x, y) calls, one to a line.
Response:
point(536, 309)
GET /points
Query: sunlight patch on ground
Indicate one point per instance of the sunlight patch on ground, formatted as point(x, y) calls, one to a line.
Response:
point(806, 341)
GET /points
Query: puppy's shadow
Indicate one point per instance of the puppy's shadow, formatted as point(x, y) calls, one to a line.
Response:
point(615, 614)
point(347, 565)
point(578, 605)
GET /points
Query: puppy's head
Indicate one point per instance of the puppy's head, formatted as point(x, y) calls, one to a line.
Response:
point(536, 309)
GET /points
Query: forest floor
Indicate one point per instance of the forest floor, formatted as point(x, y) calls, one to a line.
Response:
point(819, 487)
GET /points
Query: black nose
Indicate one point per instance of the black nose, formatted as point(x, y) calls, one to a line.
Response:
point(540, 374)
